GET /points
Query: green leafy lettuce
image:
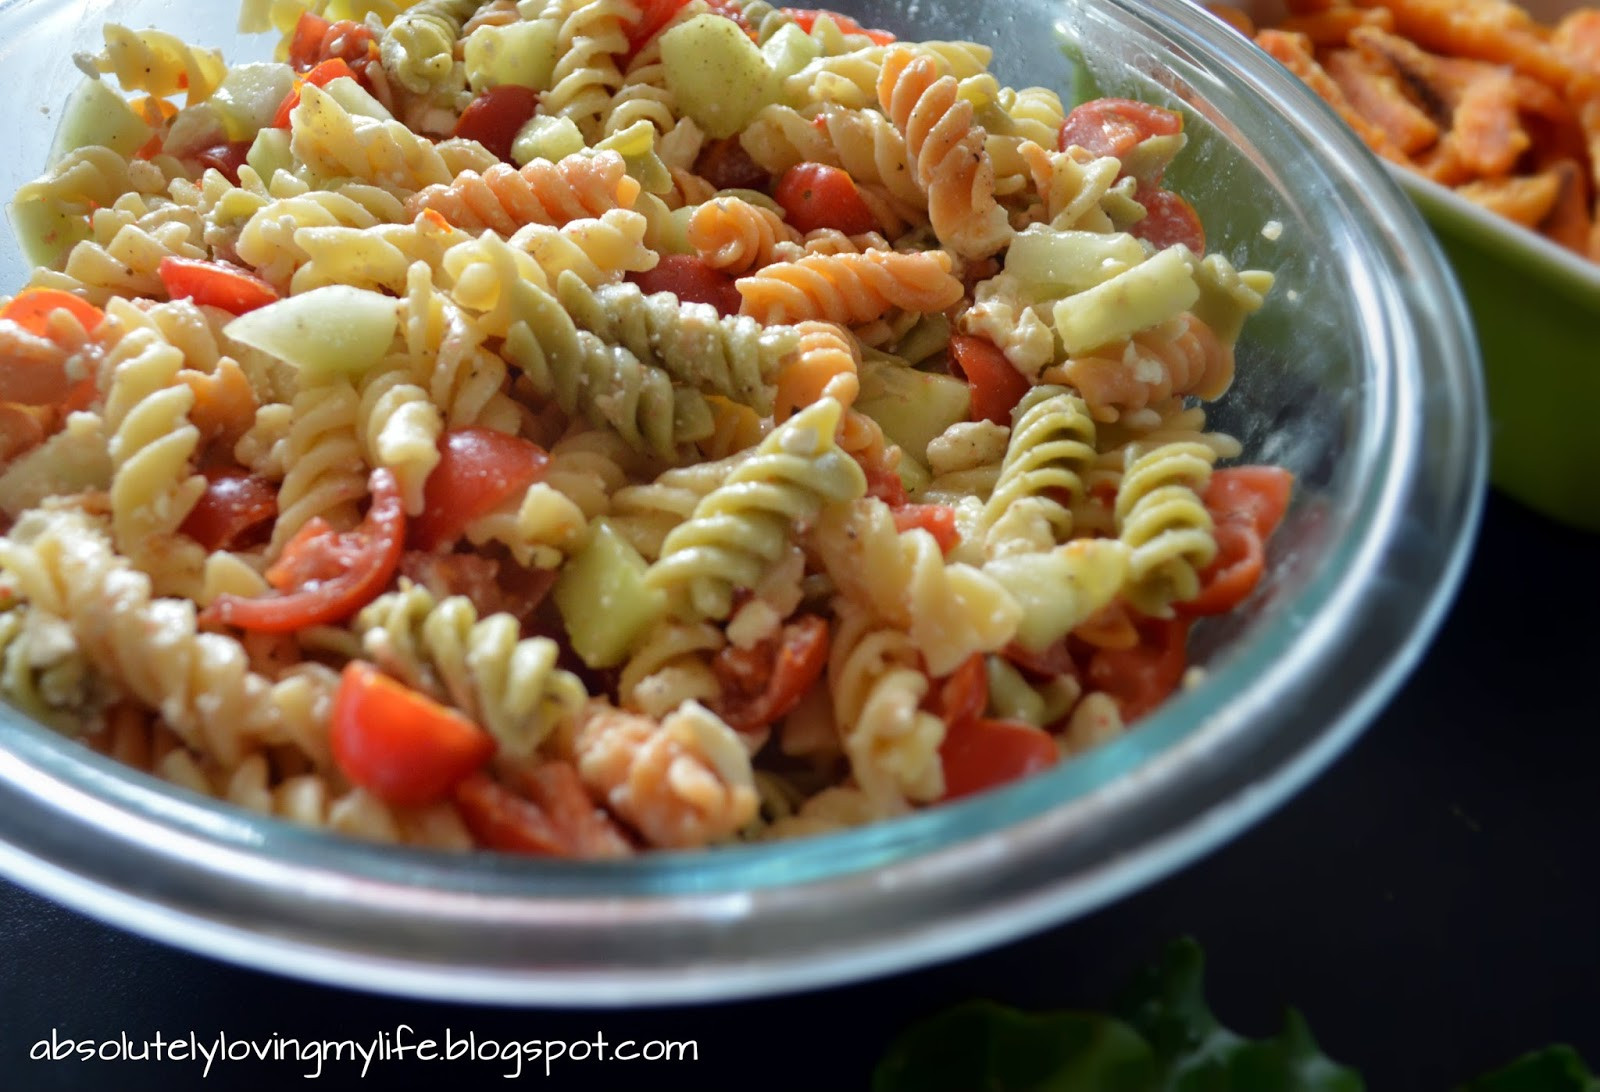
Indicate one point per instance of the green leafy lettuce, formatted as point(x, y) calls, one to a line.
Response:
point(1164, 1038)
point(1161, 1037)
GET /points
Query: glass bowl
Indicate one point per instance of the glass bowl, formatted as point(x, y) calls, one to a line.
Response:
point(1360, 375)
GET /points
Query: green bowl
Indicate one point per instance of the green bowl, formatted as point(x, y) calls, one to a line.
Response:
point(1536, 307)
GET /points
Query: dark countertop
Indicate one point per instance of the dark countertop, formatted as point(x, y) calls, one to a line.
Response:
point(1429, 904)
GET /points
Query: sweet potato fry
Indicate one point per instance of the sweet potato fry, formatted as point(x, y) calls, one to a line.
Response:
point(1375, 93)
point(1577, 40)
point(1570, 221)
point(1527, 199)
point(1417, 68)
point(1487, 129)
point(1486, 30)
point(1293, 51)
point(1540, 99)
point(1442, 163)
point(1333, 27)
point(1473, 94)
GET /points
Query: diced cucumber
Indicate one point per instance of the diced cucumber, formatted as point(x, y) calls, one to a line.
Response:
point(97, 115)
point(912, 407)
point(1058, 590)
point(913, 475)
point(673, 236)
point(790, 50)
point(45, 233)
point(1158, 289)
point(545, 137)
point(196, 128)
point(637, 146)
point(328, 333)
point(1059, 263)
point(522, 53)
point(717, 74)
point(604, 600)
point(249, 96)
point(270, 152)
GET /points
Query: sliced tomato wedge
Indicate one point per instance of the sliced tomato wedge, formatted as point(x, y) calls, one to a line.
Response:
point(1141, 678)
point(215, 284)
point(326, 575)
point(767, 682)
point(984, 753)
point(806, 19)
point(400, 745)
point(882, 482)
point(479, 469)
point(495, 117)
point(552, 815)
point(1115, 127)
point(235, 511)
point(816, 196)
point(688, 277)
point(226, 158)
point(305, 45)
point(653, 16)
point(996, 386)
point(726, 165)
point(324, 73)
point(1257, 495)
point(1169, 220)
point(1050, 662)
point(1232, 575)
point(939, 520)
point(964, 694)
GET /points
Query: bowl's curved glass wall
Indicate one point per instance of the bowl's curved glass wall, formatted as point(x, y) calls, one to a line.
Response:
point(1358, 375)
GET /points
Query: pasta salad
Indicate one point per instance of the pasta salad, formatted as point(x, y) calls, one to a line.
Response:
point(579, 427)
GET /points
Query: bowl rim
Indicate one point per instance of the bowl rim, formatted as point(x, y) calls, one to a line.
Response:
point(1524, 248)
point(208, 878)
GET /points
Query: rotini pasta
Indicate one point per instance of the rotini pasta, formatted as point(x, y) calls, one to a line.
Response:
point(157, 63)
point(418, 48)
point(592, 34)
point(952, 164)
point(665, 498)
point(741, 526)
point(481, 665)
point(850, 288)
point(503, 198)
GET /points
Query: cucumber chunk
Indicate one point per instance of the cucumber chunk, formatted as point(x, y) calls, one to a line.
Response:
point(718, 76)
point(328, 333)
point(604, 600)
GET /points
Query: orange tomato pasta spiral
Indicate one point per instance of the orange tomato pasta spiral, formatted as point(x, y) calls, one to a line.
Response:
point(947, 146)
point(736, 236)
point(825, 367)
point(1187, 359)
point(682, 781)
point(503, 198)
point(850, 288)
